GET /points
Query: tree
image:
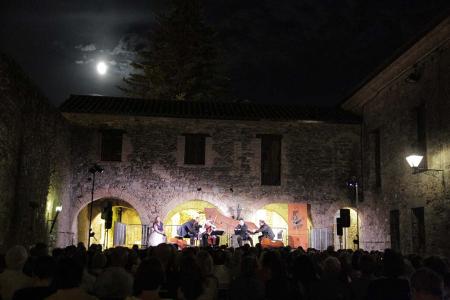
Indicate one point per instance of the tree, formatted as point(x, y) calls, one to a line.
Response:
point(182, 60)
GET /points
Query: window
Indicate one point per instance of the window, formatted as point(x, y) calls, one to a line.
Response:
point(418, 229)
point(270, 159)
point(194, 149)
point(377, 156)
point(421, 114)
point(394, 221)
point(111, 149)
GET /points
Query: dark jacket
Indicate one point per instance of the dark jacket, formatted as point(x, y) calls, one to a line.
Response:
point(266, 231)
point(188, 229)
point(242, 231)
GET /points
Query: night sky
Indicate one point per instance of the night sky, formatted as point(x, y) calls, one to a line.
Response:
point(312, 52)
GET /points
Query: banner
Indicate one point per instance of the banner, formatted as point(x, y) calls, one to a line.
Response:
point(298, 225)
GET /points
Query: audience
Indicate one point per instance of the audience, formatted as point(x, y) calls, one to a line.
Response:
point(222, 273)
point(43, 269)
point(13, 278)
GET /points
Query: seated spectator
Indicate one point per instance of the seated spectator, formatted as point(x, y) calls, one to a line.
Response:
point(190, 280)
point(332, 285)
point(390, 286)
point(305, 275)
point(210, 282)
point(148, 279)
point(247, 285)
point(114, 284)
point(13, 279)
point(367, 265)
point(42, 274)
point(98, 263)
point(67, 281)
point(427, 285)
point(221, 272)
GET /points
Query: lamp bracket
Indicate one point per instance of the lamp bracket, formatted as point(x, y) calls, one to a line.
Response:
point(424, 170)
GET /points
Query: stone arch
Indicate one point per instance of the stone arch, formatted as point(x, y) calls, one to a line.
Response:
point(214, 200)
point(102, 193)
point(350, 233)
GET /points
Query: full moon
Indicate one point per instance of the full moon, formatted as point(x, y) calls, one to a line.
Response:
point(102, 68)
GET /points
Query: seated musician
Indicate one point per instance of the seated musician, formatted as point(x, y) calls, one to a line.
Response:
point(189, 230)
point(209, 239)
point(266, 231)
point(242, 233)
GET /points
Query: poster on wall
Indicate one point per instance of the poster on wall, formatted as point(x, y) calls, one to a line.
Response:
point(298, 225)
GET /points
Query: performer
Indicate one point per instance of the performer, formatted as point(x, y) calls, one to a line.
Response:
point(241, 233)
point(265, 230)
point(157, 236)
point(189, 230)
point(207, 237)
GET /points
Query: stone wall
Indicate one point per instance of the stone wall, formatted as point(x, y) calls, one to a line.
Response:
point(317, 159)
point(34, 159)
point(392, 111)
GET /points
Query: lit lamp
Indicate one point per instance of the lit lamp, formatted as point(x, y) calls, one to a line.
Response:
point(414, 161)
point(58, 209)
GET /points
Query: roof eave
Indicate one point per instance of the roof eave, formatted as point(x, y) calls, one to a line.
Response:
point(428, 43)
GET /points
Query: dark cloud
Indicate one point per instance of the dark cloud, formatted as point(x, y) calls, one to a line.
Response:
point(293, 51)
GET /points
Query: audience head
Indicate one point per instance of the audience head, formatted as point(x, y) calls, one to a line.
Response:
point(68, 274)
point(331, 267)
point(436, 264)
point(393, 264)
point(191, 284)
point(99, 261)
point(249, 266)
point(241, 222)
point(16, 257)
point(119, 257)
point(44, 267)
point(149, 276)
point(367, 264)
point(40, 249)
point(205, 262)
point(114, 284)
point(427, 284)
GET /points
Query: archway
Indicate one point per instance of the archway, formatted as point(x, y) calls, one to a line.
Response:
point(349, 234)
point(124, 217)
point(183, 213)
point(276, 216)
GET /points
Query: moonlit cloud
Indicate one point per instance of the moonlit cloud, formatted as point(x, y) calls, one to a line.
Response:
point(119, 57)
point(86, 48)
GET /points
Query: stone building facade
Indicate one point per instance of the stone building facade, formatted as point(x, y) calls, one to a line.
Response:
point(319, 152)
point(405, 109)
point(45, 156)
point(35, 163)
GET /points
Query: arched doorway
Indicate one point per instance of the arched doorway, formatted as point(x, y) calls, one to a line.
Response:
point(276, 215)
point(349, 234)
point(126, 224)
point(183, 213)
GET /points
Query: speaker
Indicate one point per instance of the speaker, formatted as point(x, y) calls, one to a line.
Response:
point(107, 214)
point(345, 217)
point(339, 230)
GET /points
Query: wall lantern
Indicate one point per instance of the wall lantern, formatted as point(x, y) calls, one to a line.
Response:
point(58, 209)
point(414, 161)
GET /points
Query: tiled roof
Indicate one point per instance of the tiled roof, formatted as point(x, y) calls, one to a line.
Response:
point(202, 110)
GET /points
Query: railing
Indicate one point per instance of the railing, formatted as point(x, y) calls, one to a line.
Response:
point(320, 238)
